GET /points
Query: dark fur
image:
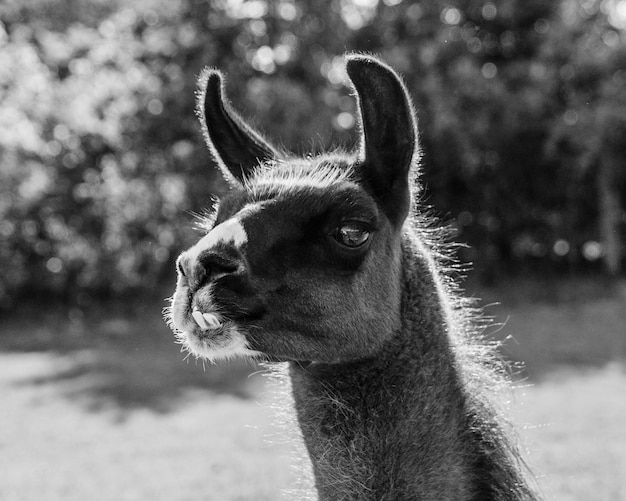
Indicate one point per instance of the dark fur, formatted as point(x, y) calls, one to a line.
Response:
point(404, 425)
point(393, 386)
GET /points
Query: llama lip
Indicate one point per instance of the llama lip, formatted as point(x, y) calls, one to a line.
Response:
point(206, 321)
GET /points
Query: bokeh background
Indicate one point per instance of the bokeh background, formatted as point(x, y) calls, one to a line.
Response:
point(522, 114)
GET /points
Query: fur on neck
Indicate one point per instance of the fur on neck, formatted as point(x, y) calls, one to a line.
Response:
point(417, 421)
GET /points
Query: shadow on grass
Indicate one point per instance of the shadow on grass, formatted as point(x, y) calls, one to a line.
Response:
point(123, 360)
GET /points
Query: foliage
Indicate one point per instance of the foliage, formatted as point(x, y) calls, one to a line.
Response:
point(101, 160)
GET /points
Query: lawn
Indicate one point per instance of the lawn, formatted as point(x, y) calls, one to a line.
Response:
point(103, 406)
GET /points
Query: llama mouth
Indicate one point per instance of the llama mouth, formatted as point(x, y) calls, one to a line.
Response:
point(206, 321)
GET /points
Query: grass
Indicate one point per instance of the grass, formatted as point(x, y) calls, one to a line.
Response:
point(102, 406)
point(575, 433)
point(548, 325)
point(211, 447)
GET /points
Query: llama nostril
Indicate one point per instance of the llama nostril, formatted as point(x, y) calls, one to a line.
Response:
point(180, 266)
point(216, 265)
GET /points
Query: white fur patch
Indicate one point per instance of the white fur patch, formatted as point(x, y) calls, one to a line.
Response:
point(228, 345)
point(228, 232)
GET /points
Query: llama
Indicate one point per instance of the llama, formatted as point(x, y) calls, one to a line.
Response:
point(327, 263)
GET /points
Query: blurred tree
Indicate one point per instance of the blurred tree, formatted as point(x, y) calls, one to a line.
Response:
point(521, 107)
point(588, 57)
point(87, 203)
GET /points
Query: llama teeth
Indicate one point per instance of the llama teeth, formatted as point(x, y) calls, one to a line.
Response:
point(211, 320)
point(197, 316)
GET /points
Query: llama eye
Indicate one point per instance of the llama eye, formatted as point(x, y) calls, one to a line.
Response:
point(352, 235)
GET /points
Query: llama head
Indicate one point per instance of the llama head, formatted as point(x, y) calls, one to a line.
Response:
point(301, 259)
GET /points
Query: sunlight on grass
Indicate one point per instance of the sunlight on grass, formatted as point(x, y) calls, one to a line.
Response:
point(576, 434)
point(222, 447)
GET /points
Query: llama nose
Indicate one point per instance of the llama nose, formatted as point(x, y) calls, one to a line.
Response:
point(209, 265)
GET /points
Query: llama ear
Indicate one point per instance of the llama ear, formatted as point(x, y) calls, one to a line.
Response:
point(235, 146)
point(388, 143)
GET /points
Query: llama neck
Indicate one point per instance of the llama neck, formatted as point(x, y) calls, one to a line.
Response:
point(375, 427)
point(398, 426)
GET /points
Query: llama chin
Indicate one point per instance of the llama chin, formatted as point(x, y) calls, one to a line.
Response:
point(223, 343)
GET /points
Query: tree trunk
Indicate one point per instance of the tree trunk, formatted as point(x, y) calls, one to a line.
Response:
point(610, 214)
